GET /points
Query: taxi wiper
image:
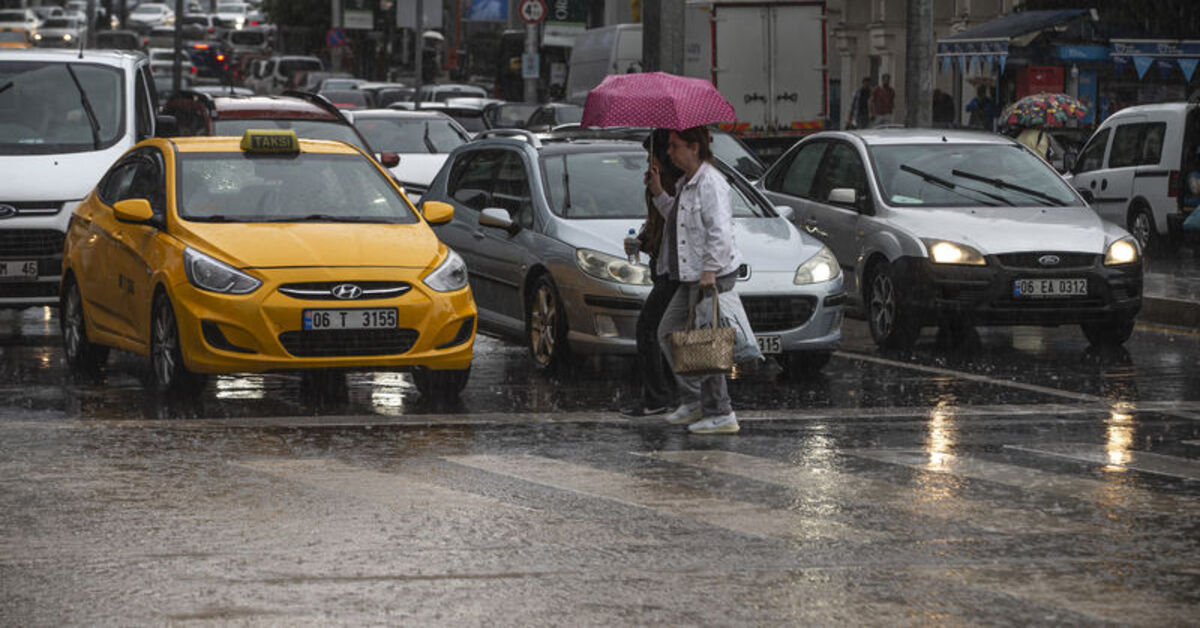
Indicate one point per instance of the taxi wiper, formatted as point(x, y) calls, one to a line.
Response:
point(1005, 185)
point(953, 187)
point(215, 218)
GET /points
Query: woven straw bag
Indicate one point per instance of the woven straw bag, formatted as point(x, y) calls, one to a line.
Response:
point(703, 351)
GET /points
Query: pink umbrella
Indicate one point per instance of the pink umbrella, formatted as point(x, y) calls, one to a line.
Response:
point(655, 99)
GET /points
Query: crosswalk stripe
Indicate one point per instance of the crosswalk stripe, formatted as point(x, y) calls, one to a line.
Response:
point(671, 499)
point(821, 485)
point(1146, 462)
point(1106, 494)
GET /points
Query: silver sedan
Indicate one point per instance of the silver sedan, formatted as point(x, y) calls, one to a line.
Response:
point(958, 229)
point(541, 226)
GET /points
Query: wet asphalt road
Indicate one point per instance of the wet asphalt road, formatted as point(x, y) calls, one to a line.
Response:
point(1022, 479)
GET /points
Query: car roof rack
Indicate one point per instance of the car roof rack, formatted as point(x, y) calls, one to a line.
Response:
point(524, 134)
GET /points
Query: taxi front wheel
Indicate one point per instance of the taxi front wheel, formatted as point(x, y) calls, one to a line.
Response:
point(440, 385)
point(82, 355)
point(166, 359)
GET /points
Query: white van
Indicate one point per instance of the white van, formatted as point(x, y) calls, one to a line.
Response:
point(65, 117)
point(1134, 170)
point(598, 52)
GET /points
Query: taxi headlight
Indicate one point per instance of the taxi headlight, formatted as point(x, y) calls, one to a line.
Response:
point(207, 273)
point(612, 268)
point(1123, 251)
point(821, 267)
point(943, 252)
point(450, 275)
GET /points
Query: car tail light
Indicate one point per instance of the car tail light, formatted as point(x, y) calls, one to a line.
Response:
point(1173, 184)
point(193, 69)
point(220, 57)
point(200, 46)
point(255, 23)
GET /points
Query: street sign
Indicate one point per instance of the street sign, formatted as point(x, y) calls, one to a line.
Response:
point(530, 66)
point(335, 37)
point(533, 11)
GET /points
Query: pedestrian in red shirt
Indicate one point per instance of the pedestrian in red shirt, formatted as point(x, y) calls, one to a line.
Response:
point(883, 101)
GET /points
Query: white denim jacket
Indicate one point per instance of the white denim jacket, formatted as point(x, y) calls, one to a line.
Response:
point(704, 237)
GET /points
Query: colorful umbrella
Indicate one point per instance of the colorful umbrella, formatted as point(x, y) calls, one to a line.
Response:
point(1043, 109)
point(655, 99)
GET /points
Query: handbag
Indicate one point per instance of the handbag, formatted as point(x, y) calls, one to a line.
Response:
point(733, 315)
point(703, 351)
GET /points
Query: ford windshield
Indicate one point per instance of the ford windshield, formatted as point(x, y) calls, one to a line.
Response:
point(49, 107)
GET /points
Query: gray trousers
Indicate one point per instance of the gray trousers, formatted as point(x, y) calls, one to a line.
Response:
point(710, 390)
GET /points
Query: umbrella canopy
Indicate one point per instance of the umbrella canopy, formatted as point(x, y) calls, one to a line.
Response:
point(655, 99)
point(1043, 109)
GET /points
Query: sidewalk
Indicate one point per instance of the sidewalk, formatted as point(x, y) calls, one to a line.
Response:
point(1171, 290)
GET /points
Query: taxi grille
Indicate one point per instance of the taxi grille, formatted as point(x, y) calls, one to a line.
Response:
point(778, 313)
point(31, 242)
point(330, 343)
point(1065, 260)
point(323, 290)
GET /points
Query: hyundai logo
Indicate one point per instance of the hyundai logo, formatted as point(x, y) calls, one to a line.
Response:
point(1049, 260)
point(7, 211)
point(346, 291)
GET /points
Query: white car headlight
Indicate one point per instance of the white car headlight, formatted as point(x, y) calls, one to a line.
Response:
point(213, 275)
point(450, 275)
point(821, 267)
point(943, 252)
point(612, 268)
point(1123, 251)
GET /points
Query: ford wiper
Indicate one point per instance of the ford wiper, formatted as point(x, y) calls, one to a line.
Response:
point(1005, 185)
point(953, 187)
point(87, 107)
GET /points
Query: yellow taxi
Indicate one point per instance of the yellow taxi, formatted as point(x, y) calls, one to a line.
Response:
point(263, 253)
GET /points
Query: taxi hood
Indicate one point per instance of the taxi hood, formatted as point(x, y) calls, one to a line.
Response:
point(259, 245)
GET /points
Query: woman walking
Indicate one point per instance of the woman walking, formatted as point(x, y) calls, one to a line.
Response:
point(658, 389)
point(698, 249)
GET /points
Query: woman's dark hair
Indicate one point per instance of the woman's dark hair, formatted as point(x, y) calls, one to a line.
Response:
point(699, 135)
point(656, 142)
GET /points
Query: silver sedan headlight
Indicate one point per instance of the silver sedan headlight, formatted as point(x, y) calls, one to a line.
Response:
point(1123, 251)
point(821, 267)
point(208, 273)
point(612, 268)
point(450, 275)
point(946, 252)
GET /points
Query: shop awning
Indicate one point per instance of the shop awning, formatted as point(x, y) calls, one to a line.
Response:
point(1166, 53)
point(988, 43)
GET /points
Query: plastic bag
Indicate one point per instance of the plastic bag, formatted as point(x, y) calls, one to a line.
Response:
point(732, 314)
point(1191, 223)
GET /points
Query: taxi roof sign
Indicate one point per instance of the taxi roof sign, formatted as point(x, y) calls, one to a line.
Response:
point(270, 141)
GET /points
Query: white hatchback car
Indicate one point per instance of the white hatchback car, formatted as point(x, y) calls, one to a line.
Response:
point(958, 229)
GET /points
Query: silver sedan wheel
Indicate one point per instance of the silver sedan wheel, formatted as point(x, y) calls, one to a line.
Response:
point(543, 323)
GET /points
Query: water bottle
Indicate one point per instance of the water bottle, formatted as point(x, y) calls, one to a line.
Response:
point(632, 247)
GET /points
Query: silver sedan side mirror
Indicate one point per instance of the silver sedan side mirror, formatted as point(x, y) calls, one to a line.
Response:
point(785, 211)
point(496, 217)
point(843, 196)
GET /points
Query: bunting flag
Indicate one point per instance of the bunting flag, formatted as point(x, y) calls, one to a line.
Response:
point(1189, 67)
point(1003, 58)
point(1142, 64)
point(946, 63)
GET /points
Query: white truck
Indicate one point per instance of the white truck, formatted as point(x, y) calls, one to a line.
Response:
point(769, 60)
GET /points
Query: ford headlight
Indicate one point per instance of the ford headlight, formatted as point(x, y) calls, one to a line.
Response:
point(210, 274)
point(612, 268)
point(943, 252)
point(1123, 251)
point(821, 267)
point(450, 275)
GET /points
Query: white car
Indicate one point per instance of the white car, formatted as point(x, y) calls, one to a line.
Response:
point(162, 62)
point(232, 15)
point(423, 139)
point(59, 32)
point(957, 229)
point(151, 14)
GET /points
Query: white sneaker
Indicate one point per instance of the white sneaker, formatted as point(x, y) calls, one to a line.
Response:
point(720, 424)
point(685, 413)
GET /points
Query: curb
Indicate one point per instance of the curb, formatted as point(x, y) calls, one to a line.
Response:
point(1167, 311)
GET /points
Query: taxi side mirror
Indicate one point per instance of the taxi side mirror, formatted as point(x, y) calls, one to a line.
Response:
point(389, 159)
point(437, 212)
point(133, 210)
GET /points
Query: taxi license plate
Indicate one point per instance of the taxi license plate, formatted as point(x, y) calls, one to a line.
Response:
point(1050, 287)
point(769, 344)
point(378, 318)
point(12, 270)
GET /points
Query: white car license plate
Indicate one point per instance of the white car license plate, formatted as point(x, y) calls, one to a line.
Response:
point(11, 270)
point(378, 318)
point(1050, 287)
point(769, 344)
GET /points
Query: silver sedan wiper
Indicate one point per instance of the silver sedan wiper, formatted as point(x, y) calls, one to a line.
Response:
point(1005, 185)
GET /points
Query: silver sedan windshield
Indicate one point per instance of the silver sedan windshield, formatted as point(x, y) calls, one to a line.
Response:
point(966, 175)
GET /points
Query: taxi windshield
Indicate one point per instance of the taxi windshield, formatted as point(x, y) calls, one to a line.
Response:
point(967, 175)
point(305, 129)
point(309, 187)
point(600, 185)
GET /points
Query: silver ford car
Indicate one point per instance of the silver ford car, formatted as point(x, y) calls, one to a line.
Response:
point(540, 223)
point(958, 229)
